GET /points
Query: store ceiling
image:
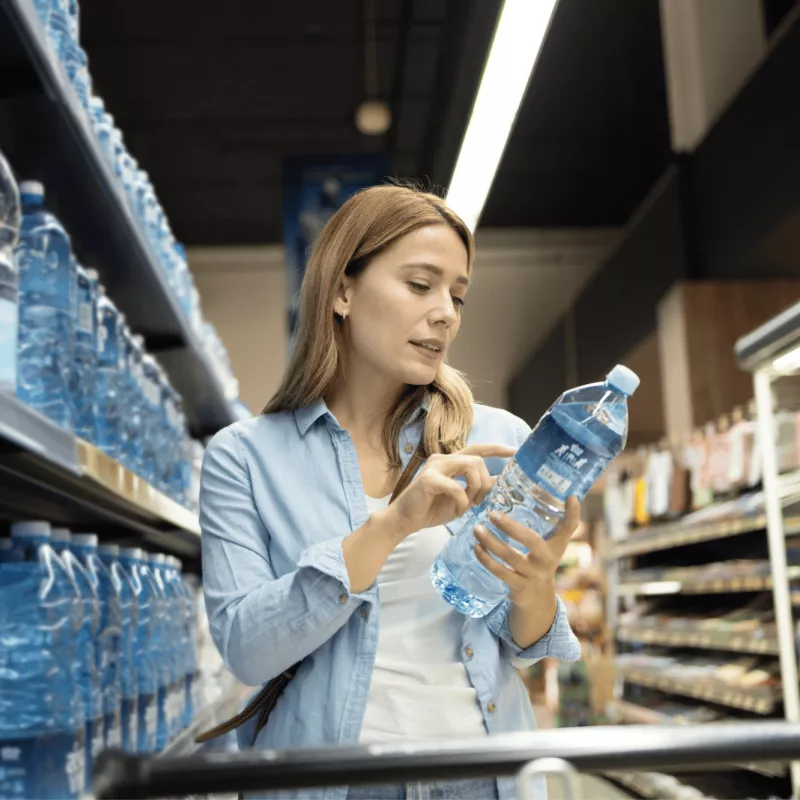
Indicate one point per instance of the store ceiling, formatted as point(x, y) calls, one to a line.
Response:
point(211, 96)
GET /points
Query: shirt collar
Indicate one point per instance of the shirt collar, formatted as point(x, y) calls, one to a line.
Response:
point(308, 415)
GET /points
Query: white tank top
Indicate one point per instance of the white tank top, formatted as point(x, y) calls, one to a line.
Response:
point(420, 688)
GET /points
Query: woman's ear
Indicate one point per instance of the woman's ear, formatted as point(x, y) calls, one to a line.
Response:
point(341, 306)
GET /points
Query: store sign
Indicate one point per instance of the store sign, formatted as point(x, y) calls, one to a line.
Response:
point(314, 187)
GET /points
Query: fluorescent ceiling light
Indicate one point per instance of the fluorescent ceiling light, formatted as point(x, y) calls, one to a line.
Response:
point(515, 47)
point(789, 362)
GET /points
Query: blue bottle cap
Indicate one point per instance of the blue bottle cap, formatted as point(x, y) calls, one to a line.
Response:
point(623, 379)
point(109, 550)
point(60, 535)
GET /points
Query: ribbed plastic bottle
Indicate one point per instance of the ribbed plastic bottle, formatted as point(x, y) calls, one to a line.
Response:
point(84, 662)
point(42, 733)
point(109, 638)
point(568, 450)
point(110, 556)
point(143, 655)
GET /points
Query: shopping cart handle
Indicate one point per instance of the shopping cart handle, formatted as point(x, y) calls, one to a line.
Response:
point(628, 748)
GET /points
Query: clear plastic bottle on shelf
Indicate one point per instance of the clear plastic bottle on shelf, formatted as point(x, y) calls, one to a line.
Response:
point(9, 277)
point(568, 450)
point(84, 662)
point(108, 382)
point(173, 629)
point(132, 402)
point(103, 125)
point(73, 20)
point(182, 620)
point(144, 653)
point(109, 555)
point(41, 710)
point(43, 10)
point(180, 470)
point(44, 354)
point(152, 420)
point(189, 607)
point(58, 30)
point(85, 356)
point(109, 639)
point(159, 648)
point(76, 64)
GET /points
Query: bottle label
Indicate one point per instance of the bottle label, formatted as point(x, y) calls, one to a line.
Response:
point(85, 317)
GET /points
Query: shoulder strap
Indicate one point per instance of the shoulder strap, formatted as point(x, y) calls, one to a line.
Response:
point(420, 454)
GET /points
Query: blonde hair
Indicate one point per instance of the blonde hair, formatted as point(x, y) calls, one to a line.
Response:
point(366, 224)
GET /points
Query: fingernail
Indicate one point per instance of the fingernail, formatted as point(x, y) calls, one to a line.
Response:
point(480, 530)
point(496, 516)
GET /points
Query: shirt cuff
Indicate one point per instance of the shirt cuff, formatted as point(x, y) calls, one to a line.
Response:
point(327, 558)
point(559, 642)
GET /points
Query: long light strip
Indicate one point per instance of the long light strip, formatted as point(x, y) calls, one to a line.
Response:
point(515, 47)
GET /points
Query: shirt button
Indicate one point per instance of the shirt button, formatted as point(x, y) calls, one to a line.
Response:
point(364, 613)
point(491, 708)
point(409, 448)
point(342, 598)
point(469, 652)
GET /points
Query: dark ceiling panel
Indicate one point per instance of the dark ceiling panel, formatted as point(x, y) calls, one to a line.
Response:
point(592, 135)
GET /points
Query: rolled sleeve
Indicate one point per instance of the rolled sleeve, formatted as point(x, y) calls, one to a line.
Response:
point(559, 642)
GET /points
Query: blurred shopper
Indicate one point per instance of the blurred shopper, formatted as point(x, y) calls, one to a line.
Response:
point(310, 571)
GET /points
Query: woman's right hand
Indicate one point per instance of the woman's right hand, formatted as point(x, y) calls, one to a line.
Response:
point(434, 497)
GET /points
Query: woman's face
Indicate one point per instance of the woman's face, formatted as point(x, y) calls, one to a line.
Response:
point(404, 310)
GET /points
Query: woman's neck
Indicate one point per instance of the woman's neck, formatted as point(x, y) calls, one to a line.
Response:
point(362, 403)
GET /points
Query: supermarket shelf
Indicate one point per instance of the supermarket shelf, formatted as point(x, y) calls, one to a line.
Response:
point(224, 707)
point(46, 136)
point(761, 700)
point(634, 714)
point(665, 537)
point(688, 585)
point(47, 471)
point(701, 639)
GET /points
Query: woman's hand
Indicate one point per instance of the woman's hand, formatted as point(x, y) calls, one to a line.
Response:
point(530, 576)
point(434, 497)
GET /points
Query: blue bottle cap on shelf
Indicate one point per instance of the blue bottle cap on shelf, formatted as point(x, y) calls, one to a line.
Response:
point(134, 553)
point(34, 188)
point(84, 539)
point(109, 550)
point(29, 530)
point(623, 379)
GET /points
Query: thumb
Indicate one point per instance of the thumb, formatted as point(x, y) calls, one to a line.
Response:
point(566, 530)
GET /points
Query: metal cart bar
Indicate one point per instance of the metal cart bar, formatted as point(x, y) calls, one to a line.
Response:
point(630, 748)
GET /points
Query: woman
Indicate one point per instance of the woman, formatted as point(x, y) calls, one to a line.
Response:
point(304, 558)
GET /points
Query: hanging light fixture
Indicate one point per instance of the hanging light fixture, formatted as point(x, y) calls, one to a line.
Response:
point(373, 117)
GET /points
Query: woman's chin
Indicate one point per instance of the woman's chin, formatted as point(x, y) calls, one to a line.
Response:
point(420, 375)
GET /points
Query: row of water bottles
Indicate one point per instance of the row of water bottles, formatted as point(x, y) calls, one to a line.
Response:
point(68, 352)
point(61, 21)
point(98, 650)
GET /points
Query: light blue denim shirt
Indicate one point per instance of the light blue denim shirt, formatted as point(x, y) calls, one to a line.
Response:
point(279, 495)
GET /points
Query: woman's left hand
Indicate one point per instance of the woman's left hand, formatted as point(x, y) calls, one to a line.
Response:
point(530, 574)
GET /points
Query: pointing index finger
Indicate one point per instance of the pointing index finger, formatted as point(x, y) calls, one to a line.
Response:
point(488, 450)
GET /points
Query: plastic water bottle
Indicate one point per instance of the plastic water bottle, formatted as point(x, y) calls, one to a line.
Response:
point(133, 421)
point(152, 419)
point(44, 258)
point(42, 744)
point(109, 555)
point(43, 10)
point(173, 629)
point(570, 448)
point(108, 382)
point(58, 29)
point(84, 663)
point(109, 637)
point(143, 654)
point(84, 357)
point(192, 702)
point(9, 277)
point(159, 647)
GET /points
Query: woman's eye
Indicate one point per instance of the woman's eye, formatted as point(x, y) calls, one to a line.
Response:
point(459, 301)
point(418, 287)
